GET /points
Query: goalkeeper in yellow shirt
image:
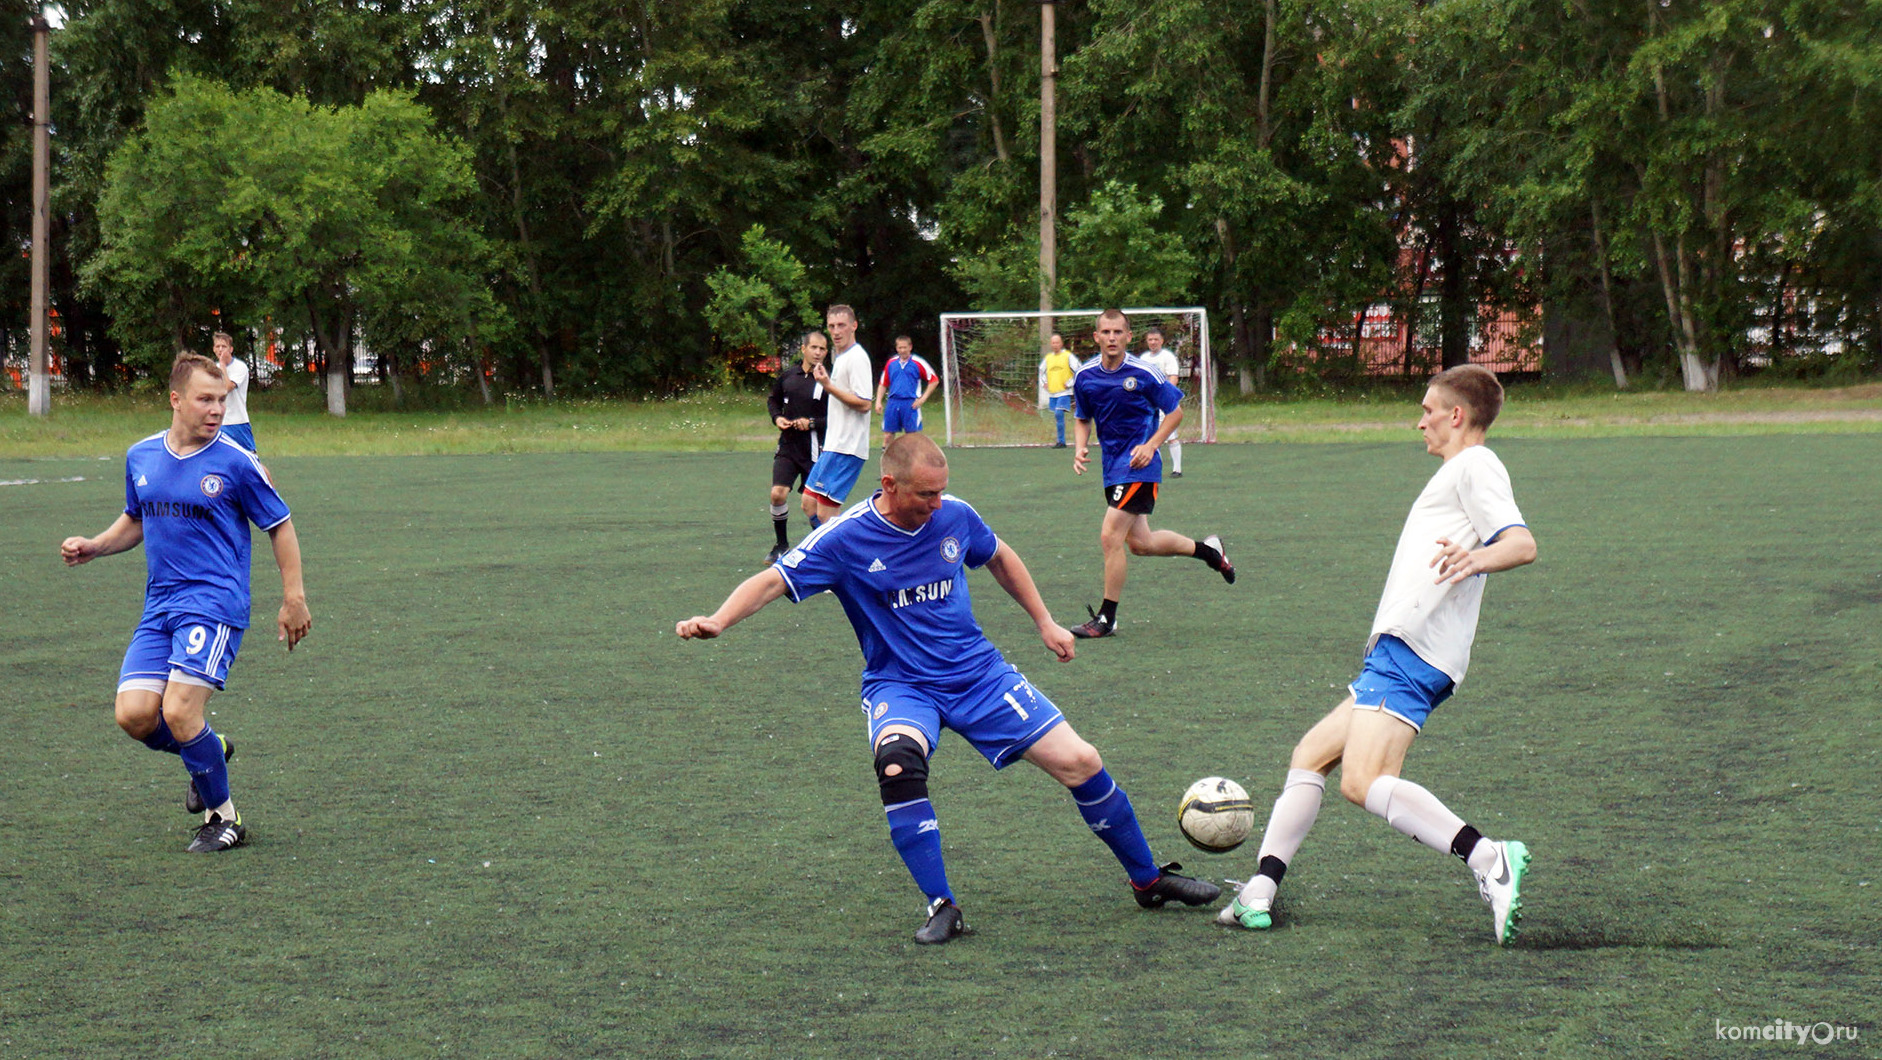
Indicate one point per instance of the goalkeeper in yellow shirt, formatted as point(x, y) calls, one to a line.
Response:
point(1056, 369)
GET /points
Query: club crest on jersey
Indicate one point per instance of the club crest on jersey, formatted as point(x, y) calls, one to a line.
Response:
point(1130, 384)
point(881, 709)
point(212, 485)
point(951, 550)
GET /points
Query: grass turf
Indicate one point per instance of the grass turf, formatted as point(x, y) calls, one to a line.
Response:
point(498, 809)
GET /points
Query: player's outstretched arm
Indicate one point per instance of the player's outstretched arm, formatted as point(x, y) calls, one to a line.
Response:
point(747, 600)
point(123, 534)
point(1011, 573)
point(1514, 547)
point(295, 619)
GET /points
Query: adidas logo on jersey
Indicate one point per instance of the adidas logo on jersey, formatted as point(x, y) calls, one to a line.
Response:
point(142, 481)
point(876, 567)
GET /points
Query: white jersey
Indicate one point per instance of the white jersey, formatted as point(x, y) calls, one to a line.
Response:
point(846, 429)
point(1165, 362)
point(1469, 503)
point(236, 409)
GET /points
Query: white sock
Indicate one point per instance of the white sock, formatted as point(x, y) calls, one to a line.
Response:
point(1293, 815)
point(779, 511)
point(1176, 457)
point(226, 811)
point(1482, 857)
point(1414, 811)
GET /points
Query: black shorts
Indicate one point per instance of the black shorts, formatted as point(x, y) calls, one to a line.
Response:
point(790, 468)
point(1137, 498)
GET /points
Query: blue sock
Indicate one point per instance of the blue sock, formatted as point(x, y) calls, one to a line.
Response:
point(1106, 808)
point(161, 739)
point(917, 837)
point(203, 758)
point(1059, 414)
point(815, 522)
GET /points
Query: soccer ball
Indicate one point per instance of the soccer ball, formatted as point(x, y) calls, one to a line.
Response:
point(1215, 815)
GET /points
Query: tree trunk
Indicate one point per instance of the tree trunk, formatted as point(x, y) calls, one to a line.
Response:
point(993, 76)
point(1454, 313)
point(1607, 295)
point(335, 358)
point(389, 369)
point(1261, 338)
point(1420, 274)
point(1264, 127)
point(1240, 344)
point(521, 219)
point(1676, 275)
point(336, 385)
point(1695, 374)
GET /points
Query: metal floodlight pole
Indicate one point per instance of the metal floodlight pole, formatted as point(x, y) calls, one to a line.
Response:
point(39, 387)
point(1048, 166)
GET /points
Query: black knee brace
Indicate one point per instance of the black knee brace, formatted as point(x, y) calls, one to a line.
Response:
point(911, 781)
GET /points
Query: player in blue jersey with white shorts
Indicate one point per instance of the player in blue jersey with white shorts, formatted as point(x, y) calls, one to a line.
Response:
point(906, 384)
point(1465, 524)
point(189, 496)
point(897, 563)
point(1134, 409)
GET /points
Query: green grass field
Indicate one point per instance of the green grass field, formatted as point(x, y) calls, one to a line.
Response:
point(499, 810)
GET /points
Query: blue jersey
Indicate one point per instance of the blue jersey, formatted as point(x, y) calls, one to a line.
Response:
point(905, 591)
point(1126, 405)
point(904, 380)
point(196, 510)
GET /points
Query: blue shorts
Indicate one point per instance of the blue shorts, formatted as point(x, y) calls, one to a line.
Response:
point(834, 476)
point(1001, 714)
point(1062, 403)
point(900, 417)
point(240, 433)
point(198, 646)
point(1395, 680)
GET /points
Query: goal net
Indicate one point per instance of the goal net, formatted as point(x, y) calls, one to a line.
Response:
point(993, 392)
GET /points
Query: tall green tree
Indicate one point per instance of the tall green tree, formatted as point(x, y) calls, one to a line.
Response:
point(336, 217)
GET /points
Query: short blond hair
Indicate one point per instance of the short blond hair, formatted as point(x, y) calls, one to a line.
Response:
point(901, 456)
point(188, 364)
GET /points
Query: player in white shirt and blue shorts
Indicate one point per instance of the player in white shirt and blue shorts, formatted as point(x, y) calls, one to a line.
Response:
point(849, 383)
point(1463, 526)
point(235, 413)
point(1164, 359)
point(898, 564)
point(190, 495)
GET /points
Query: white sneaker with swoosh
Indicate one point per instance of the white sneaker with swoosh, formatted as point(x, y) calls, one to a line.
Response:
point(1502, 886)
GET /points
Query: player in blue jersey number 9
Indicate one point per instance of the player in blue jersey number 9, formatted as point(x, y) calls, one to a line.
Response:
point(190, 494)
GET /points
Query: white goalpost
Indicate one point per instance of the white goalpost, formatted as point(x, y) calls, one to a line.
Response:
point(991, 387)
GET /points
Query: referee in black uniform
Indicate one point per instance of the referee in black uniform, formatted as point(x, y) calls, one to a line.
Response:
point(798, 404)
